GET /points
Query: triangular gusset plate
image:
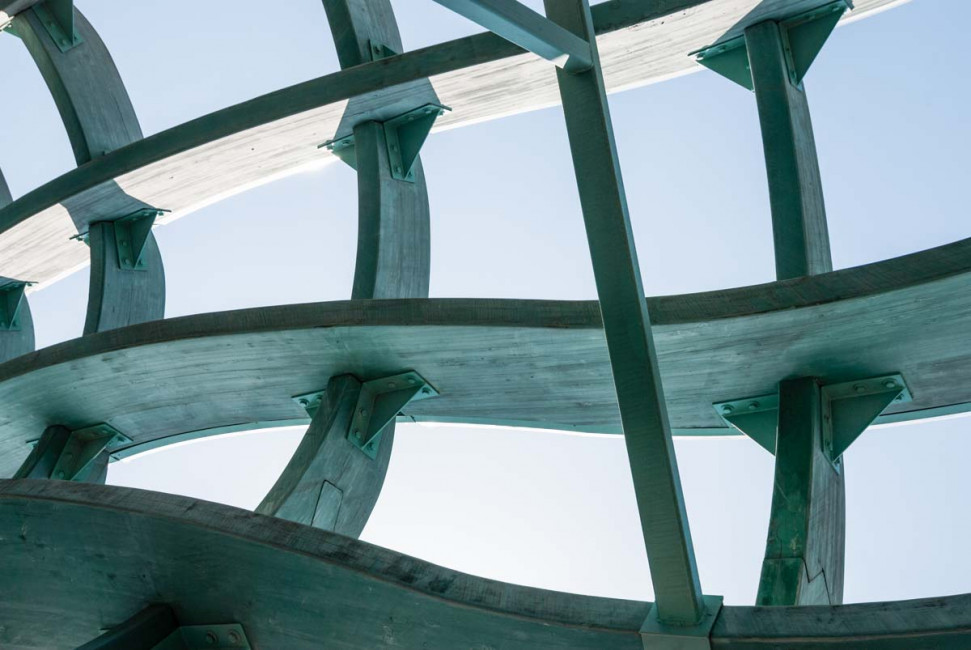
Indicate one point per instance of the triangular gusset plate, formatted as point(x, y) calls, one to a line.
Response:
point(849, 408)
point(803, 36)
point(344, 149)
point(379, 404)
point(756, 417)
point(131, 235)
point(405, 135)
point(730, 60)
point(11, 299)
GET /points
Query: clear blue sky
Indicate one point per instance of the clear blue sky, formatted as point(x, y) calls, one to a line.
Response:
point(890, 113)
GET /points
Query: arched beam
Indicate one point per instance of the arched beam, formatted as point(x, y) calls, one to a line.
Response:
point(99, 118)
point(16, 324)
point(329, 482)
point(343, 593)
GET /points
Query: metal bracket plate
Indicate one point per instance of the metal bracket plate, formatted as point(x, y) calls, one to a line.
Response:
point(379, 404)
point(206, 637)
point(83, 447)
point(57, 17)
point(131, 234)
point(404, 135)
point(803, 36)
point(310, 402)
point(11, 300)
point(657, 635)
point(848, 408)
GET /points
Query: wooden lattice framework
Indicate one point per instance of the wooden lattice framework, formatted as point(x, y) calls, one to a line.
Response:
point(108, 567)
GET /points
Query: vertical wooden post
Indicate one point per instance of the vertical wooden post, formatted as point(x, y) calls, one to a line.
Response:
point(805, 549)
point(627, 326)
point(795, 189)
point(14, 341)
point(98, 117)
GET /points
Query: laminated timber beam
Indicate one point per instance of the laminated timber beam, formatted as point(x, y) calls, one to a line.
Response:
point(627, 329)
point(772, 57)
point(126, 286)
point(239, 370)
point(334, 479)
point(16, 324)
point(216, 155)
point(216, 564)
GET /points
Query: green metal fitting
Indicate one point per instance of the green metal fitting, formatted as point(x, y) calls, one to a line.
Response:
point(57, 17)
point(380, 51)
point(11, 299)
point(83, 447)
point(206, 637)
point(848, 408)
point(131, 234)
point(404, 134)
point(310, 402)
point(658, 635)
point(380, 402)
point(803, 36)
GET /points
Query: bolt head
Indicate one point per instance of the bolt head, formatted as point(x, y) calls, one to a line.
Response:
point(211, 638)
point(753, 406)
point(859, 388)
point(890, 383)
point(727, 409)
point(234, 637)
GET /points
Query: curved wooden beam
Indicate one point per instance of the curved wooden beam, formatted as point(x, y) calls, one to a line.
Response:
point(480, 77)
point(329, 482)
point(241, 368)
point(99, 118)
point(19, 339)
point(212, 562)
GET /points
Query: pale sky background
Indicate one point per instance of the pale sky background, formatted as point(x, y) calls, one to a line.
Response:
point(542, 508)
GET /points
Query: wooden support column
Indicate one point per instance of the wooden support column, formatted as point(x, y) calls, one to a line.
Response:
point(627, 327)
point(805, 549)
point(16, 324)
point(795, 188)
point(393, 249)
point(329, 483)
point(98, 116)
point(62, 455)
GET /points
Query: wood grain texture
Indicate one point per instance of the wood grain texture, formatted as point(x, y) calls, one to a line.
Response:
point(627, 329)
point(481, 77)
point(804, 552)
point(120, 297)
point(15, 342)
point(329, 483)
point(86, 86)
point(799, 229)
point(297, 587)
point(98, 116)
point(517, 362)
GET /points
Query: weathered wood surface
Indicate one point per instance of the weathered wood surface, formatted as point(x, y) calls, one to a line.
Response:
point(98, 555)
point(799, 229)
point(805, 548)
point(627, 328)
point(329, 483)
point(14, 343)
point(99, 118)
point(481, 77)
point(529, 363)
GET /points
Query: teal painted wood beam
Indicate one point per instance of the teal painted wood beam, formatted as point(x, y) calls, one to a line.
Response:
point(627, 327)
point(527, 29)
point(333, 583)
point(99, 117)
point(498, 81)
point(329, 483)
point(804, 553)
point(15, 338)
point(799, 229)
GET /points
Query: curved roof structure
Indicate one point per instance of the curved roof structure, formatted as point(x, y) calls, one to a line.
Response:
point(802, 365)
